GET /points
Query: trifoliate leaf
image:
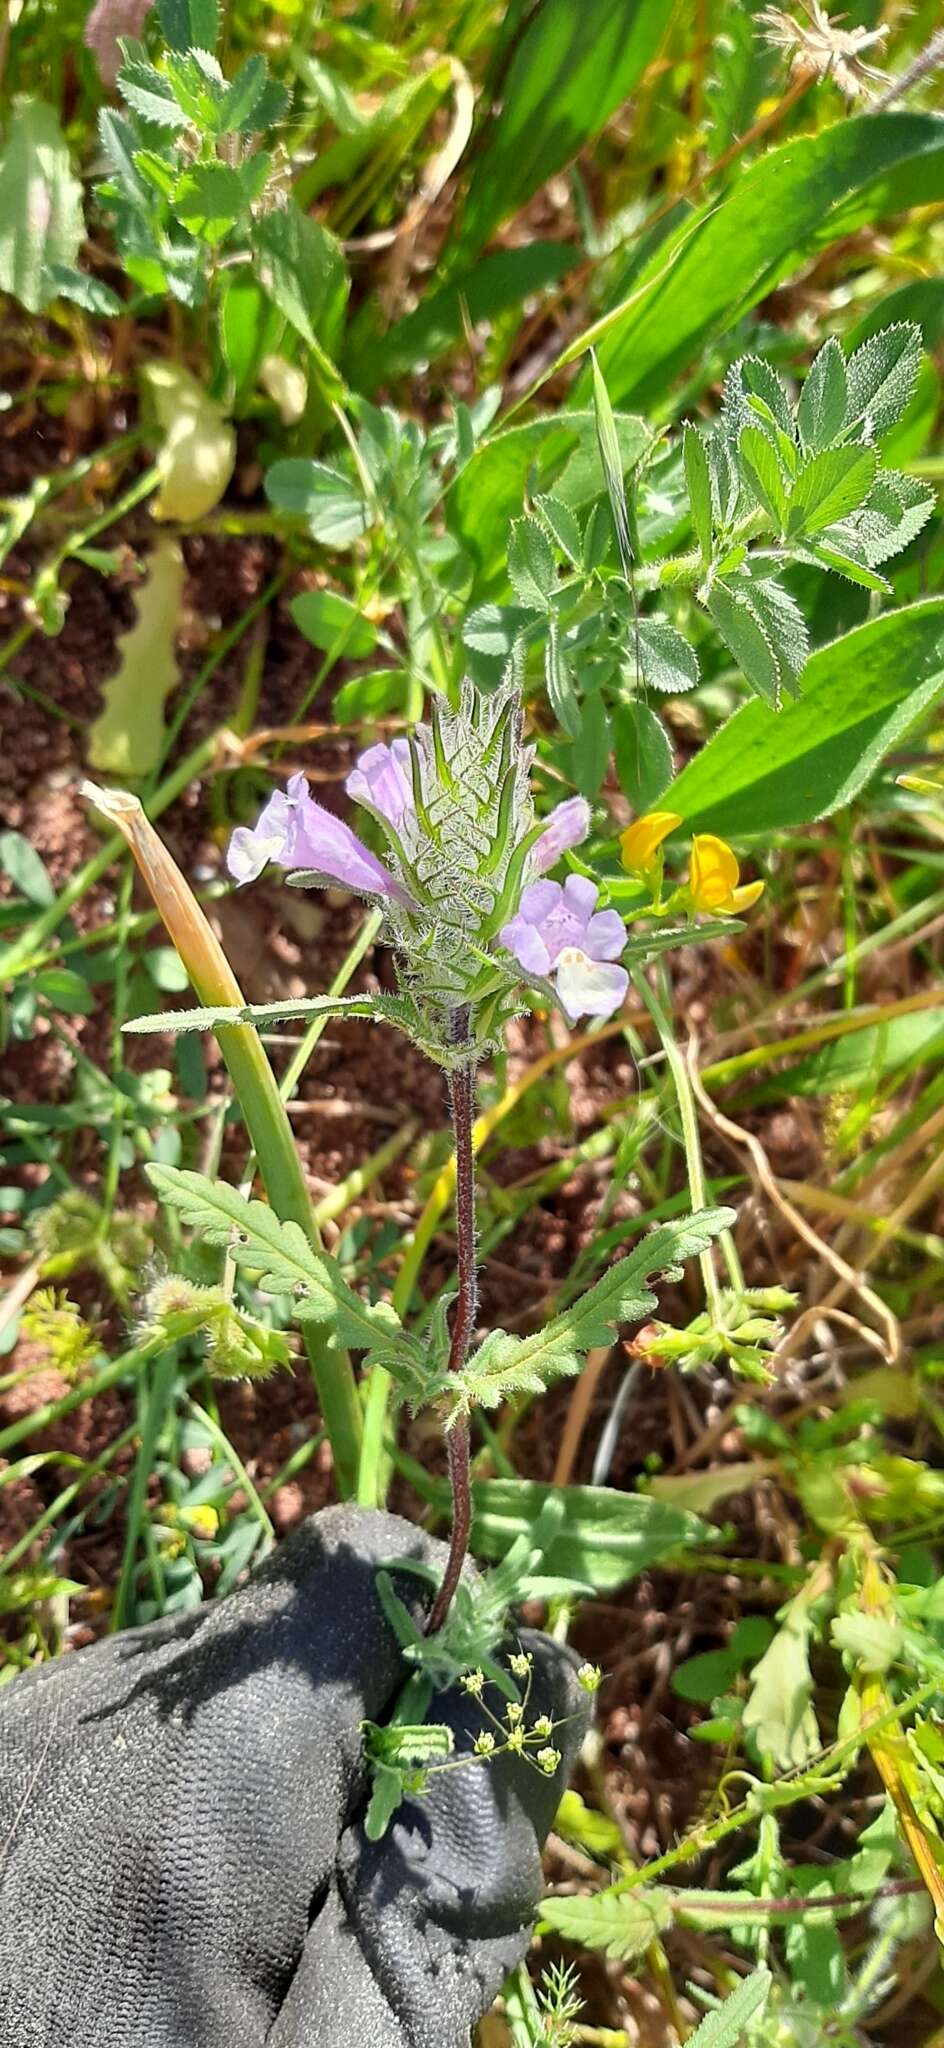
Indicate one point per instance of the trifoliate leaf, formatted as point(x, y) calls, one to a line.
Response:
point(882, 375)
point(209, 200)
point(824, 399)
point(333, 505)
point(745, 637)
point(127, 736)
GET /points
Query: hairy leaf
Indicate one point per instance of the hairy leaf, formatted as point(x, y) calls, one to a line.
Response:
point(285, 1260)
point(833, 483)
point(669, 662)
point(623, 1924)
point(821, 413)
point(40, 205)
point(724, 2028)
point(531, 568)
point(882, 375)
point(506, 1364)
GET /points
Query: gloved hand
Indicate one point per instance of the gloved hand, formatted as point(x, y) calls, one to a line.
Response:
point(182, 1857)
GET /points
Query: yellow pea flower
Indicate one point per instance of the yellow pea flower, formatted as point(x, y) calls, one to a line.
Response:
point(714, 877)
point(642, 839)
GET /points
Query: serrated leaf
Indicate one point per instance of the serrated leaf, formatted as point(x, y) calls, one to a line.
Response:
point(746, 638)
point(782, 620)
point(561, 694)
point(898, 508)
point(41, 222)
point(506, 1364)
point(127, 736)
point(821, 412)
point(882, 375)
point(621, 1924)
point(669, 663)
point(285, 1260)
point(242, 97)
point(150, 94)
point(531, 570)
point(830, 486)
point(698, 478)
point(88, 292)
point(612, 463)
point(838, 554)
point(562, 523)
point(761, 465)
point(752, 377)
point(724, 2028)
point(255, 1013)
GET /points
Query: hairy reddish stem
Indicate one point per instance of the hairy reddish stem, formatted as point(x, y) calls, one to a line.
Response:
point(462, 1104)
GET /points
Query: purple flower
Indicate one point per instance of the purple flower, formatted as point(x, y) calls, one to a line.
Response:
point(381, 777)
point(558, 932)
point(299, 833)
point(566, 826)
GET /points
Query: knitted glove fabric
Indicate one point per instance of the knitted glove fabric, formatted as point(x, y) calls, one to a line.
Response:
point(182, 1860)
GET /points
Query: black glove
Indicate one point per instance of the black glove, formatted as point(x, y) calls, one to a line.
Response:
point(182, 1856)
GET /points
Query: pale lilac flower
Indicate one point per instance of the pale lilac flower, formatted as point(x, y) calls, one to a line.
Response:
point(381, 777)
point(108, 20)
point(299, 833)
point(567, 825)
point(558, 933)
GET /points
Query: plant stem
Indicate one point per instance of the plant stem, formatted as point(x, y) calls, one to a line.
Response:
point(462, 1105)
point(690, 1136)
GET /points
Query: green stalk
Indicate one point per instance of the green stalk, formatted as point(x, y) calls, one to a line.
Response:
point(257, 1091)
point(690, 1135)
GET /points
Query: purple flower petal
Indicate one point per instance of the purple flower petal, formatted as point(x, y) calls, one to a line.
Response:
point(567, 825)
point(299, 833)
point(525, 942)
point(589, 988)
point(606, 935)
point(381, 777)
point(580, 896)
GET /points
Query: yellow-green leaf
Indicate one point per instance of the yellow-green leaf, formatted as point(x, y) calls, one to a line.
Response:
point(127, 735)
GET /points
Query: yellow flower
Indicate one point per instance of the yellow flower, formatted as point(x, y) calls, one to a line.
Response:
point(641, 841)
point(714, 877)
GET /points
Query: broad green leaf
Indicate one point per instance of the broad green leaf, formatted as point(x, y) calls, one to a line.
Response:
point(380, 694)
point(778, 1711)
point(209, 200)
point(552, 454)
point(833, 483)
point(622, 1924)
point(280, 1253)
point(189, 24)
point(725, 2027)
point(782, 209)
point(741, 68)
point(326, 618)
point(857, 697)
point(198, 454)
point(531, 569)
point(698, 478)
point(249, 327)
point(668, 661)
point(20, 861)
point(589, 753)
point(882, 375)
point(127, 736)
point(821, 412)
point(303, 269)
point(605, 1538)
point(88, 292)
point(333, 506)
point(642, 752)
point(479, 298)
point(860, 1059)
point(66, 991)
point(573, 64)
point(41, 221)
point(506, 1364)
